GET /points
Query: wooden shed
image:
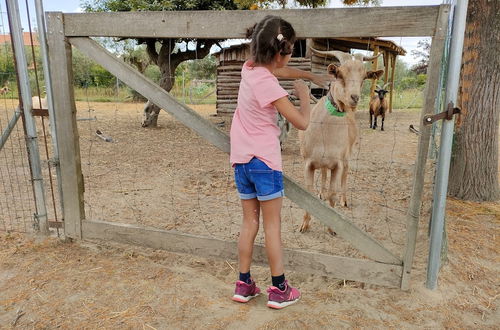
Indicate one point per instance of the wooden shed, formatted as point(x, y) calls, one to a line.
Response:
point(231, 59)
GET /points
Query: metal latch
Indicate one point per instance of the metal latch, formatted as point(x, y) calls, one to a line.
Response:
point(56, 224)
point(448, 115)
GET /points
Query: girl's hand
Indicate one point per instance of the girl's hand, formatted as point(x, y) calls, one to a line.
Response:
point(300, 89)
point(322, 80)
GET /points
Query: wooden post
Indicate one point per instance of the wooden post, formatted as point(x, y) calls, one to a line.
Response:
point(374, 68)
point(387, 64)
point(404, 21)
point(66, 128)
point(391, 86)
point(431, 92)
point(300, 261)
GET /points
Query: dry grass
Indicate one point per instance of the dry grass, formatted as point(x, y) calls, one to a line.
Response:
point(49, 283)
point(53, 283)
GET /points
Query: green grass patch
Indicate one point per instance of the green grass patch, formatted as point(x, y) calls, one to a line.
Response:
point(407, 99)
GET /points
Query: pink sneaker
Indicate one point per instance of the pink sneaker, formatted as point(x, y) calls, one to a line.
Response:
point(244, 292)
point(280, 299)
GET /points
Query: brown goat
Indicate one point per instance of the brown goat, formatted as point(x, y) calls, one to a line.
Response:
point(378, 107)
point(327, 142)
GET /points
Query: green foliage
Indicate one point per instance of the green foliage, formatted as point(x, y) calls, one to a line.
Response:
point(88, 73)
point(362, 2)
point(267, 4)
point(156, 5)
point(205, 68)
point(153, 73)
point(7, 69)
point(422, 53)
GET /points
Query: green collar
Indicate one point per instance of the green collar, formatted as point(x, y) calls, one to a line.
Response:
point(332, 109)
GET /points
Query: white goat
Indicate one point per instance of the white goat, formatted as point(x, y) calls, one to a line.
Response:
point(328, 141)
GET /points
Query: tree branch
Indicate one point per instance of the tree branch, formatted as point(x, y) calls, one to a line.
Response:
point(151, 49)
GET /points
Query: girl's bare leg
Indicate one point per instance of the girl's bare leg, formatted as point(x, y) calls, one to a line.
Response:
point(248, 232)
point(271, 212)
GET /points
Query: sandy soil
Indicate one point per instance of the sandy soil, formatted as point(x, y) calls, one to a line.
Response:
point(169, 178)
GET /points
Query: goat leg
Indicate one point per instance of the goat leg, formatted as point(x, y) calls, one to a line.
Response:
point(309, 179)
point(323, 193)
point(375, 122)
point(343, 185)
point(371, 118)
point(382, 127)
point(335, 180)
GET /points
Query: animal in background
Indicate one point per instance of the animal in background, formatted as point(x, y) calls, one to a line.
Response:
point(4, 90)
point(285, 127)
point(378, 106)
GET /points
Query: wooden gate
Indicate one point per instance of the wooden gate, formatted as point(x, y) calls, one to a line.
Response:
point(66, 30)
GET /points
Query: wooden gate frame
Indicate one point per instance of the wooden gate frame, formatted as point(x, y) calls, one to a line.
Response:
point(65, 30)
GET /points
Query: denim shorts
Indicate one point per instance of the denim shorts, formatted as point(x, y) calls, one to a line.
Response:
point(257, 180)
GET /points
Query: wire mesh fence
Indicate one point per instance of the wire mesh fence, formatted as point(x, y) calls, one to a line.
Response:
point(18, 210)
point(16, 202)
point(169, 178)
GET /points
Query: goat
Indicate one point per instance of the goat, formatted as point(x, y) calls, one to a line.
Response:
point(327, 142)
point(378, 106)
point(285, 127)
point(4, 90)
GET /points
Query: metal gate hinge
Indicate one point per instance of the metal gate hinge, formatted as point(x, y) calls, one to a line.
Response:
point(448, 115)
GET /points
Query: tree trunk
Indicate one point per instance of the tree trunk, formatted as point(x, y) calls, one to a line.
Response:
point(151, 111)
point(474, 163)
point(168, 62)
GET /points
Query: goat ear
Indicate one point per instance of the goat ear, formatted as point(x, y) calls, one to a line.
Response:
point(374, 74)
point(333, 70)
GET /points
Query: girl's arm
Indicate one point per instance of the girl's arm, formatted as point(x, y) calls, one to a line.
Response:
point(321, 80)
point(300, 118)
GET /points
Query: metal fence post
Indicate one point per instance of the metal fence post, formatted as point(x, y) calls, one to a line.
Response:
point(42, 31)
point(439, 205)
point(16, 32)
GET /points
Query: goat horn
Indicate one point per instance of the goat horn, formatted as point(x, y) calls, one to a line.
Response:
point(370, 58)
point(388, 84)
point(378, 87)
point(341, 56)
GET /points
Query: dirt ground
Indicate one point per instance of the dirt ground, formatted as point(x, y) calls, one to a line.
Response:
point(169, 178)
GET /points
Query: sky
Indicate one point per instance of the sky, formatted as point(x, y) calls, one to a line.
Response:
point(72, 6)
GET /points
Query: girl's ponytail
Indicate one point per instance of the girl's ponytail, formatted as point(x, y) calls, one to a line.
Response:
point(249, 32)
point(284, 46)
point(272, 35)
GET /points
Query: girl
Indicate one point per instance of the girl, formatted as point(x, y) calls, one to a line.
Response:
point(256, 153)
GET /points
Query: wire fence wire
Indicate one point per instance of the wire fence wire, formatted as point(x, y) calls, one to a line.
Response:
point(17, 207)
point(170, 178)
point(16, 195)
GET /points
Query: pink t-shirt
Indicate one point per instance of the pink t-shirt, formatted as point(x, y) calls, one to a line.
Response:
point(254, 131)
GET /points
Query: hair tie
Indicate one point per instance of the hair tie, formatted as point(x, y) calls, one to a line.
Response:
point(279, 37)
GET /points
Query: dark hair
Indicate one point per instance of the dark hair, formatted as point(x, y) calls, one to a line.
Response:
point(266, 42)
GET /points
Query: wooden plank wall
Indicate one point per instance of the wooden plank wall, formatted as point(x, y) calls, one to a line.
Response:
point(229, 76)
